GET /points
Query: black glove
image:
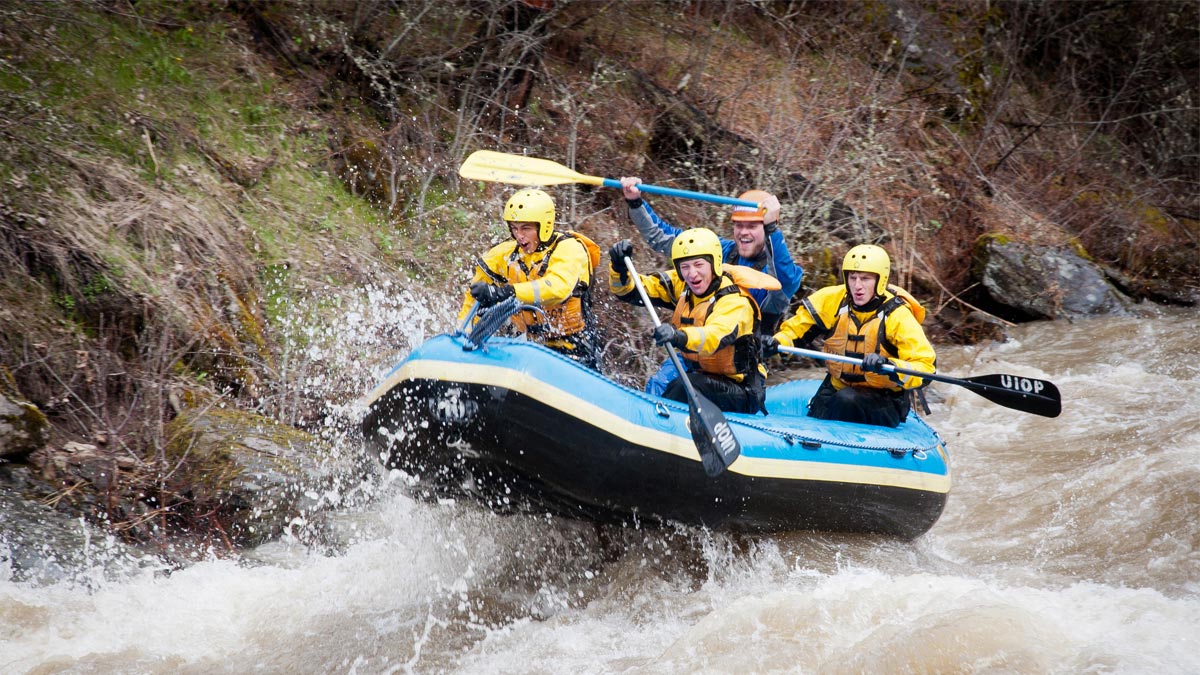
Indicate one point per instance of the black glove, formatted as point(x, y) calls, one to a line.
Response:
point(770, 347)
point(490, 294)
point(874, 363)
point(665, 332)
point(617, 254)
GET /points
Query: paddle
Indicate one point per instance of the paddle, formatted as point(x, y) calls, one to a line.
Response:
point(714, 439)
point(501, 167)
point(1011, 391)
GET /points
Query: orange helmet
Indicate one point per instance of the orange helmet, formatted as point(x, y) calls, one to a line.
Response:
point(744, 213)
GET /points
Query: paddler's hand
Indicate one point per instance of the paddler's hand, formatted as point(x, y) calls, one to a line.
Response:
point(618, 253)
point(874, 363)
point(770, 347)
point(668, 334)
point(490, 294)
point(629, 187)
point(771, 218)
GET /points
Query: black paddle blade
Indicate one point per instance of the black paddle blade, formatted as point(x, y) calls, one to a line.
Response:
point(1019, 393)
point(714, 438)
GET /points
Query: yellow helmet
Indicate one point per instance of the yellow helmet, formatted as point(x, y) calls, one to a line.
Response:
point(868, 258)
point(749, 212)
point(694, 243)
point(532, 206)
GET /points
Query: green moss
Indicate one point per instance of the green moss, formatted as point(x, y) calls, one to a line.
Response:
point(823, 270)
point(989, 237)
point(12, 82)
point(1152, 217)
point(1088, 198)
point(1077, 247)
point(65, 303)
point(979, 251)
point(139, 84)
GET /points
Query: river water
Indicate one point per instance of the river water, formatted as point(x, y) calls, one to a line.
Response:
point(1069, 545)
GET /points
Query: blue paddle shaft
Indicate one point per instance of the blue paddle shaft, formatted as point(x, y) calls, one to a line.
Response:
point(684, 194)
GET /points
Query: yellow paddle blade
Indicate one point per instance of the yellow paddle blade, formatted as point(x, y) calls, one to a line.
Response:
point(501, 167)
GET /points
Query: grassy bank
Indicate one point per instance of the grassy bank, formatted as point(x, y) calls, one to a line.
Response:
point(193, 188)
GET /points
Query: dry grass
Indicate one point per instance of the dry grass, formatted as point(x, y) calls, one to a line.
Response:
point(183, 211)
point(868, 135)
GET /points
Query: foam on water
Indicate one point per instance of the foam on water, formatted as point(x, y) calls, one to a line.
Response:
point(1068, 546)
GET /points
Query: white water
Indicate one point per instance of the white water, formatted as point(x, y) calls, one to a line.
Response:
point(1069, 545)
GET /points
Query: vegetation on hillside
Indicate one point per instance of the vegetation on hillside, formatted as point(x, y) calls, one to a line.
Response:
point(191, 187)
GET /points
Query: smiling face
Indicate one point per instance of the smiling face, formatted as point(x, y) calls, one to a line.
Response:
point(697, 273)
point(526, 235)
point(861, 286)
point(749, 237)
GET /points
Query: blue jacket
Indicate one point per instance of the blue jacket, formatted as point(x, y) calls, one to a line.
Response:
point(775, 260)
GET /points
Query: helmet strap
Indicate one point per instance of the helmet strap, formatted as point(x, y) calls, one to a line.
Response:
point(871, 305)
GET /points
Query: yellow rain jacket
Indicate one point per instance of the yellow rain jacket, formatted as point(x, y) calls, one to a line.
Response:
point(893, 330)
point(555, 277)
point(720, 327)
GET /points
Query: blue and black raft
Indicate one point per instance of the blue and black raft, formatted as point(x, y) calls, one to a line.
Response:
point(519, 427)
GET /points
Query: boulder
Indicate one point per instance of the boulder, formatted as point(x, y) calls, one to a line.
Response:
point(23, 428)
point(1044, 282)
point(43, 546)
point(259, 477)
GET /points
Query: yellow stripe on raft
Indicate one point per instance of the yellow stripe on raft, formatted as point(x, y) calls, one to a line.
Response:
point(513, 380)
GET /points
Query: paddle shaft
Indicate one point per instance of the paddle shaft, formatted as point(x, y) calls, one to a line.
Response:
point(502, 167)
point(1019, 393)
point(887, 367)
point(715, 441)
point(684, 194)
point(637, 282)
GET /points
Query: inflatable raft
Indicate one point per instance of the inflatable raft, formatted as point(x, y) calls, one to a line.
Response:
point(517, 426)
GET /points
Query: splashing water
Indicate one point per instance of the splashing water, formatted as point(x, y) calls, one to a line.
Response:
point(1069, 545)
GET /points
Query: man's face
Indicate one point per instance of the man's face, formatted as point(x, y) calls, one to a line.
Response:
point(526, 235)
point(862, 286)
point(749, 237)
point(697, 273)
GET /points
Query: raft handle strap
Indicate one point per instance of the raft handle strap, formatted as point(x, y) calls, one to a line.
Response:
point(492, 318)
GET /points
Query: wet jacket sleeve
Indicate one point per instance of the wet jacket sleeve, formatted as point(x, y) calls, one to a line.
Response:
point(813, 317)
point(568, 266)
point(663, 288)
point(913, 350)
point(658, 233)
point(732, 316)
point(786, 270)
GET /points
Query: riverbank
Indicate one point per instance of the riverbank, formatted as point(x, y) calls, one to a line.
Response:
point(200, 212)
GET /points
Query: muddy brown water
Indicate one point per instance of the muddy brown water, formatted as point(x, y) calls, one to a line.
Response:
point(1069, 545)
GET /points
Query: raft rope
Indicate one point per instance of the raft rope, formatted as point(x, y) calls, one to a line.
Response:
point(791, 437)
point(491, 319)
